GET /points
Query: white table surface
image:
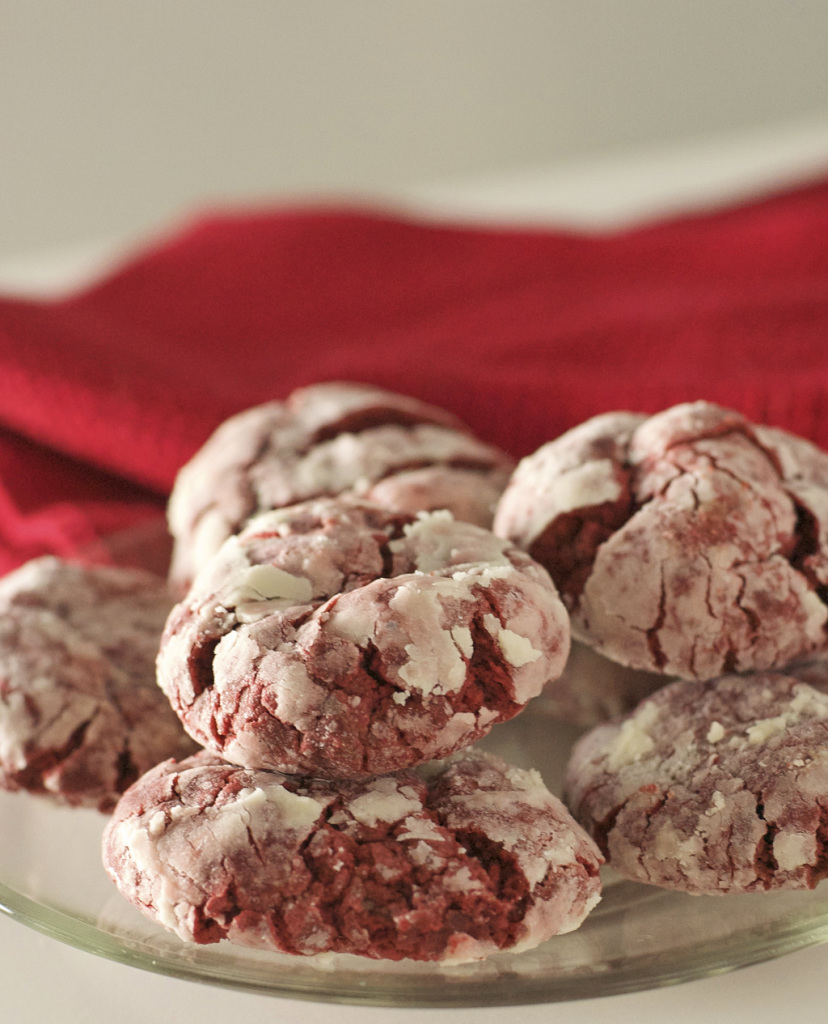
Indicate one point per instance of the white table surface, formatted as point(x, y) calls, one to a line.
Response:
point(43, 981)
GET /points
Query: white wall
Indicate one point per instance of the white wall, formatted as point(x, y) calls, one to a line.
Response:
point(117, 114)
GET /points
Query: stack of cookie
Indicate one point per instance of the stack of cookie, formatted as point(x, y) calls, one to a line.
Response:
point(336, 657)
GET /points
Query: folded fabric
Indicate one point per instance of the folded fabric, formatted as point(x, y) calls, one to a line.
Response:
point(103, 395)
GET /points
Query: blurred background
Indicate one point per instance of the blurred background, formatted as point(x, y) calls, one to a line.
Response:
point(118, 116)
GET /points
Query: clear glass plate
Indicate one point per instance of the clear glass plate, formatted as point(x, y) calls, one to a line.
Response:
point(638, 937)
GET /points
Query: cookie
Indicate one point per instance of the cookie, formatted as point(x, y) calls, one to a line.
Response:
point(324, 440)
point(338, 639)
point(81, 716)
point(450, 863)
point(711, 787)
point(691, 543)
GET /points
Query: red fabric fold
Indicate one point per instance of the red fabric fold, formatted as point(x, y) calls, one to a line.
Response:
point(103, 395)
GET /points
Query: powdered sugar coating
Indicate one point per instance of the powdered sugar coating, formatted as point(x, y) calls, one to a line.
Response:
point(324, 440)
point(690, 543)
point(452, 863)
point(712, 787)
point(81, 716)
point(337, 639)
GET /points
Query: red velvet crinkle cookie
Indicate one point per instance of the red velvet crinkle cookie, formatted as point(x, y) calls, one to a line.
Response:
point(451, 863)
point(337, 639)
point(691, 543)
point(327, 439)
point(81, 716)
point(711, 787)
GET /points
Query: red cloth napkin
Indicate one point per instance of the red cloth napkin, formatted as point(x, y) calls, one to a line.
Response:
point(521, 333)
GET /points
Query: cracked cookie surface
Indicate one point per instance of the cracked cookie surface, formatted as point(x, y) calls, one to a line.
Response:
point(338, 639)
point(691, 543)
point(452, 862)
point(712, 787)
point(327, 439)
point(81, 716)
